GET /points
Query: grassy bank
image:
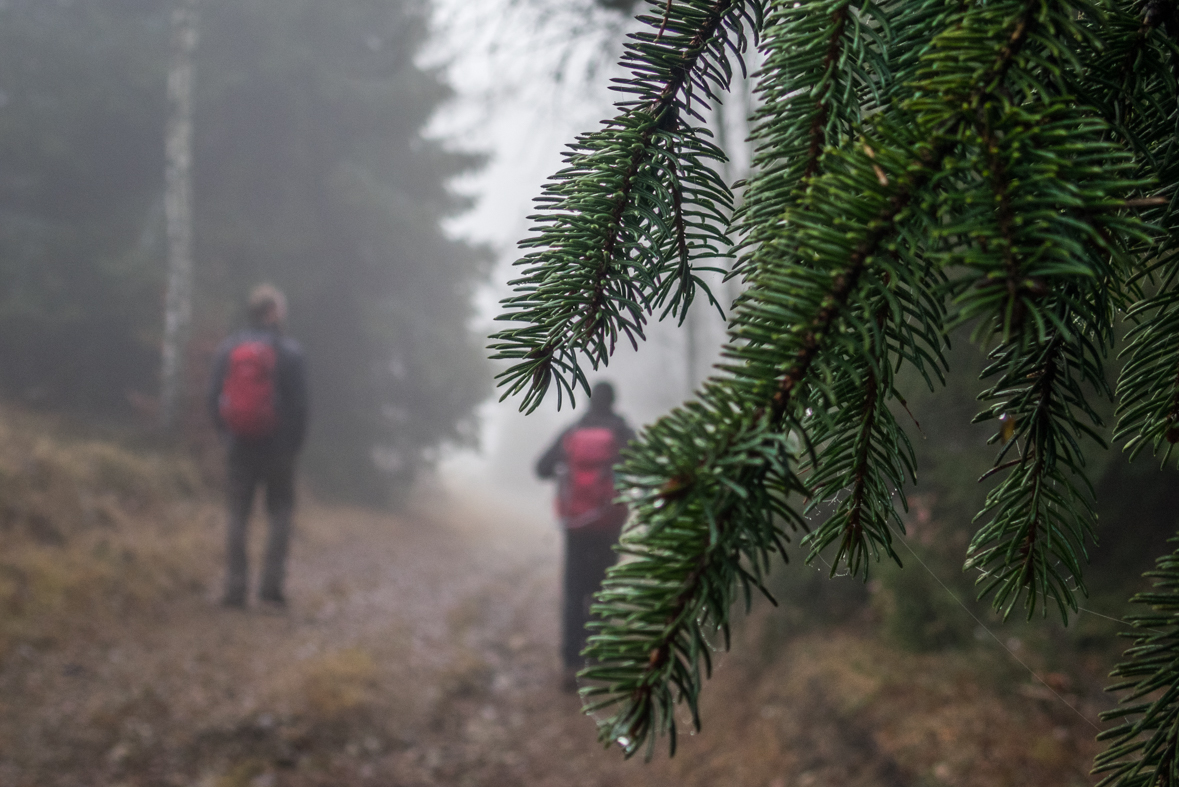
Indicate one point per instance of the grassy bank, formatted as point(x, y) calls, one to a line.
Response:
point(91, 528)
point(421, 650)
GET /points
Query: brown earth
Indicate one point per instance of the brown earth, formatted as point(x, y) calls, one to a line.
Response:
point(420, 650)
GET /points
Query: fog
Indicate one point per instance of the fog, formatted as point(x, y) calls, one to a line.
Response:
point(529, 77)
point(376, 161)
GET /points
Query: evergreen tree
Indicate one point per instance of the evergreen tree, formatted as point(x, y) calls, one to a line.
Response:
point(81, 162)
point(310, 170)
point(1006, 164)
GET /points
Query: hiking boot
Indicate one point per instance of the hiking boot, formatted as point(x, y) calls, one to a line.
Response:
point(274, 603)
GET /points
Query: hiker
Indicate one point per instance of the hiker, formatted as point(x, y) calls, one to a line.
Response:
point(582, 460)
point(258, 399)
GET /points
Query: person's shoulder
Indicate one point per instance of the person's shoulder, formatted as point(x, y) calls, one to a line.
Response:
point(619, 421)
point(290, 345)
point(611, 420)
point(232, 340)
point(244, 334)
point(623, 429)
point(290, 352)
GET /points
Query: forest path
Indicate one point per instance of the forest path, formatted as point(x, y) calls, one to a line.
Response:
point(417, 651)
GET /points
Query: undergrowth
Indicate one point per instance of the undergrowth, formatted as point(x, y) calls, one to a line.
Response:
point(90, 527)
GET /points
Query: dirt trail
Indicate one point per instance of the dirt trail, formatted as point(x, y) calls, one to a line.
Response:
point(416, 653)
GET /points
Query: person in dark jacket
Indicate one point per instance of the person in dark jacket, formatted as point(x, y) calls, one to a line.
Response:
point(267, 459)
point(589, 538)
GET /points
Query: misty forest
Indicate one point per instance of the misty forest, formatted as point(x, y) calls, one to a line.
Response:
point(302, 303)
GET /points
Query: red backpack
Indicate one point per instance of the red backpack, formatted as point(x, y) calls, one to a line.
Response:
point(247, 391)
point(587, 491)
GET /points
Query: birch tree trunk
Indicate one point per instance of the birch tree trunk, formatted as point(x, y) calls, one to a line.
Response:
point(734, 169)
point(698, 332)
point(178, 211)
point(692, 350)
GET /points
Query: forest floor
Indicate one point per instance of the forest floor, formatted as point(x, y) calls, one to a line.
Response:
point(420, 650)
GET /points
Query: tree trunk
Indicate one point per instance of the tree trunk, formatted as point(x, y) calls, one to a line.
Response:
point(698, 334)
point(692, 349)
point(178, 210)
point(741, 100)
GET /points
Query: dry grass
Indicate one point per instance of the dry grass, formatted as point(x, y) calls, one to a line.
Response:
point(90, 529)
point(843, 706)
point(411, 657)
point(338, 683)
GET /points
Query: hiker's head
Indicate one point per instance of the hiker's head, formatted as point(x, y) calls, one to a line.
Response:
point(602, 398)
point(267, 307)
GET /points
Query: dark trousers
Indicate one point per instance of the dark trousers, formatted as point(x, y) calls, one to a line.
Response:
point(252, 465)
point(588, 553)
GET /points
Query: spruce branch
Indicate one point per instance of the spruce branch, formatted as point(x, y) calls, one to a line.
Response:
point(865, 514)
point(917, 165)
point(710, 482)
point(1144, 746)
point(1031, 216)
point(814, 279)
point(1040, 518)
point(865, 456)
point(636, 213)
point(678, 583)
point(821, 59)
point(1144, 105)
point(1149, 383)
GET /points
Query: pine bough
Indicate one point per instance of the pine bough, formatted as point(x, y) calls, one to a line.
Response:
point(917, 165)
